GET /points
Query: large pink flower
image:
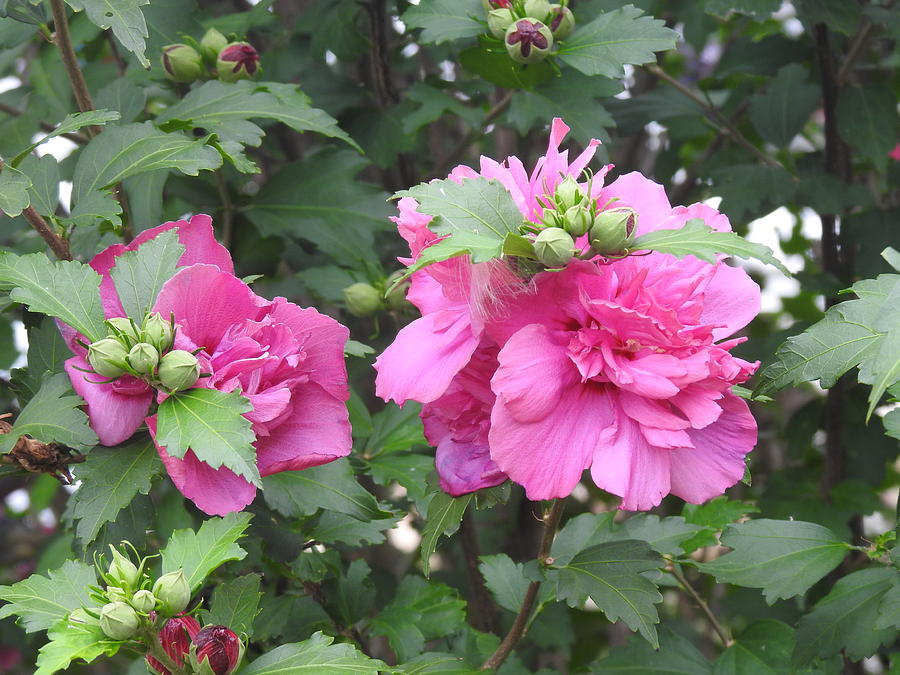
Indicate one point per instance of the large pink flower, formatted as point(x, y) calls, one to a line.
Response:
point(286, 360)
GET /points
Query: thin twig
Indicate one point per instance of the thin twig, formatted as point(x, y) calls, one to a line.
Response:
point(73, 136)
point(701, 603)
point(58, 245)
point(724, 125)
point(63, 42)
point(456, 154)
point(483, 615)
point(517, 630)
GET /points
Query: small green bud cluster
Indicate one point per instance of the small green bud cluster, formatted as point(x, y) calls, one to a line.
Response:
point(364, 299)
point(214, 56)
point(529, 28)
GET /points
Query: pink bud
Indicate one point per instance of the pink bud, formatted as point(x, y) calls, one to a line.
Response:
point(220, 647)
point(176, 636)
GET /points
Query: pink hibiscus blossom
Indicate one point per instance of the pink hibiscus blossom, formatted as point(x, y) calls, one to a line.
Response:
point(288, 362)
point(613, 365)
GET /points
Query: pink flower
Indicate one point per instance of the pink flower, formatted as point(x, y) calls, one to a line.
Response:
point(286, 360)
point(220, 648)
point(895, 153)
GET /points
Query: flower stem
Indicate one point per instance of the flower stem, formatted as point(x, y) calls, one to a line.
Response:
point(701, 603)
point(63, 42)
point(517, 630)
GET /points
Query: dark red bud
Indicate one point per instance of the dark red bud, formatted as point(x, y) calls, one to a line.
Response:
point(220, 647)
point(528, 33)
point(243, 55)
point(175, 637)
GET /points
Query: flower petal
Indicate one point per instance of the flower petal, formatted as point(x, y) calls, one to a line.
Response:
point(198, 239)
point(465, 467)
point(731, 300)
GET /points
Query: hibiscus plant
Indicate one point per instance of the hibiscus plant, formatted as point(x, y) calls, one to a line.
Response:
point(449, 336)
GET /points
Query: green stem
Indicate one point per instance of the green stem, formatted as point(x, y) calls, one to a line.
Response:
point(701, 603)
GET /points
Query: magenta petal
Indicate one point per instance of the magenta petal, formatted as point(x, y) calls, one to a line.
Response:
point(198, 239)
point(647, 198)
point(465, 467)
point(216, 492)
point(102, 263)
point(731, 299)
point(207, 302)
point(316, 432)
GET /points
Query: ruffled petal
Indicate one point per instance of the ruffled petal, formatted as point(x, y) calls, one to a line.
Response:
point(731, 300)
point(465, 467)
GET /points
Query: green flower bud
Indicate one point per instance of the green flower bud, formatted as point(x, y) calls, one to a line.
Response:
point(498, 21)
point(125, 572)
point(116, 594)
point(178, 370)
point(80, 617)
point(539, 9)
point(143, 601)
point(172, 592)
point(237, 61)
point(396, 298)
point(613, 231)
point(182, 63)
point(362, 299)
point(158, 332)
point(554, 247)
point(119, 621)
point(562, 22)
point(211, 44)
point(578, 220)
point(107, 357)
point(568, 193)
point(528, 41)
point(122, 327)
point(143, 357)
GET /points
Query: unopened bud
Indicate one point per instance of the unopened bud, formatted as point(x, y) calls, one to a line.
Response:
point(496, 4)
point(562, 22)
point(219, 647)
point(116, 594)
point(178, 370)
point(122, 327)
point(157, 331)
point(528, 41)
point(119, 621)
point(173, 592)
point(568, 193)
point(107, 357)
point(554, 247)
point(539, 9)
point(211, 44)
point(143, 601)
point(182, 63)
point(498, 21)
point(143, 358)
point(175, 637)
point(396, 297)
point(123, 570)
point(578, 220)
point(237, 61)
point(362, 299)
point(613, 231)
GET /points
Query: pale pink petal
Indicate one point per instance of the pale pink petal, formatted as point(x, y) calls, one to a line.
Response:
point(113, 416)
point(465, 467)
point(198, 239)
point(216, 492)
point(731, 300)
point(647, 198)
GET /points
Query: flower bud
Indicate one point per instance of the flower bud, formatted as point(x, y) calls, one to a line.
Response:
point(219, 647)
point(554, 247)
point(362, 299)
point(143, 357)
point(211, 44)
point(123, 327)
point(562, 22)
point(528, 41)
point(116, 594)
point(496, 4)
point(158, 332)
point(578, 220)
point(498, 21)
point(568, 193)
point(175, 637)
point(178, 370)
point(143, 601)
point(172, 592)
point(396, 298)
point(107, 357)
point(119, 621)
point(613, 231)
point(237, 61)
point(125, 572)
point(539, 9)
point(182, 63)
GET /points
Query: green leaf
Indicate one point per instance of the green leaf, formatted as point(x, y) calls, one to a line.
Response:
point(712, 516)
point(614, 39)
point(72, 122)
point(675, 656)
point(14, 187)
point(437, 663)
point(581, 532)
point(408, 469)
point(43, 601)
point(759, 9)
point(442, 518)
point(889, 607)
point(395, 429)
point(332, 527)
point(751, 190)
point(331, 486)
point(199, 553)
point(505, 579)
point(664, 535)
point(53, 415)
point(495, 66)
point(611, 574)
point(444, 20)
point(110, 479)
point(866, 117)
point(70, 643)
point(846, 617)
point(317, 656)
point(139, 275)
point(764, 647)
point(434, 104)
point(781, 112)
point(699, 239)
point(125, 19)
point(235, 604)
point(212, 425)
point(44, 175)
point(47, 353)
point(95, 207)
point(782, 557)
point(133, 149)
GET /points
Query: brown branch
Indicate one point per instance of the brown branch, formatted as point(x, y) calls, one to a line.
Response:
point(483, 615)
point(517, 630)
point(73, 136)
point(701, 603)
point(63, 42)
point(57, 244)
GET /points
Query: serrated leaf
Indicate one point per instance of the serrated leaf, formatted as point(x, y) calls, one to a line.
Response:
point(782, 557)
point(44, 175)
point(14, 187)
point(665, 535)
point(613, 39)
point(437, 663)
point(675, 656)
point(133, 149)
point(73, 643)
point(109, 480)
point(317, 656)
point(139, 275)
point(124, 17)
point(443, 20)
point(505, 579)
point(94, 206)
point(611, 574)
point(443, 517)
point(72, 122)
point(845, 618)
point(581, 532)
point(235, 604)
point(53, 415)
point(331, 486)
point(47, 353)
point(764, 647)
point(43, 601)
point(781, 112)
point(712, 517)
point(864, 116)
point(889, 608)
point(699, 239)
point(212, 425)
point(199, 553)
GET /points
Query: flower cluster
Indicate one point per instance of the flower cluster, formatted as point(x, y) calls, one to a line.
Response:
point(213, 56)
point(211, 649)
point(611, 362)
point(529, 28)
